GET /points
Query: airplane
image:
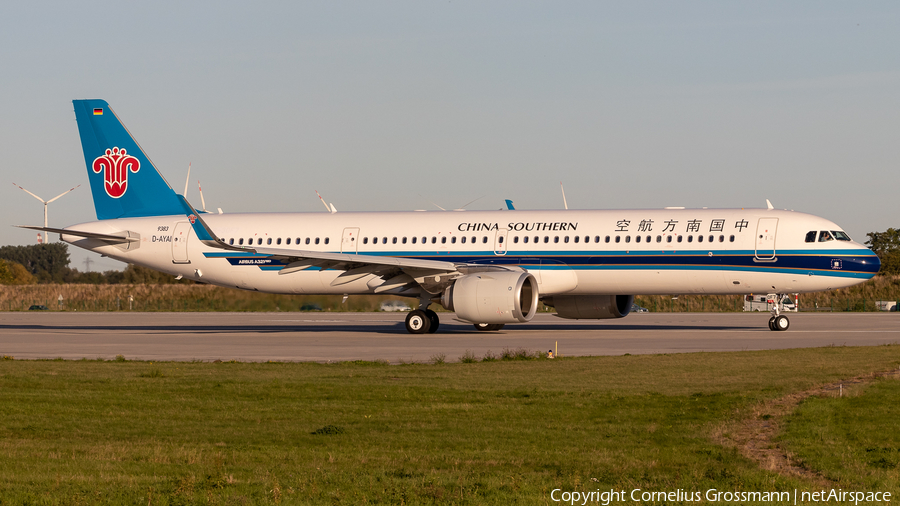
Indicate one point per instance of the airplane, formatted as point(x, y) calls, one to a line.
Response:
point(491, 268)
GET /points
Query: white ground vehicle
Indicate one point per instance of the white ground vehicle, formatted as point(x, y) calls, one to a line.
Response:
point(767, 302)
point(395, 305)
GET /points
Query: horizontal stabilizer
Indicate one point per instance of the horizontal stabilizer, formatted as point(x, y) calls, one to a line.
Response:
point(89, 235)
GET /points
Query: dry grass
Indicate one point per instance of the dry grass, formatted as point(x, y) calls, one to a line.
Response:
point(86, 297)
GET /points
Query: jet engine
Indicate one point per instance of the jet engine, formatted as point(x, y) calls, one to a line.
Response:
point(591, 307)
point(493, 297)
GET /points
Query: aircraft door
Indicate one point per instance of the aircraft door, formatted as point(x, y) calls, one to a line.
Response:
point(180, 243)
point(350, 240)
point(765, 238)
point(500, 245)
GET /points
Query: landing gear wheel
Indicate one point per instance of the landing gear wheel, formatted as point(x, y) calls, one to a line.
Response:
point(417, 322)
point(772, 323)
point(435, 322)
point(781, 323)
point(488, 327)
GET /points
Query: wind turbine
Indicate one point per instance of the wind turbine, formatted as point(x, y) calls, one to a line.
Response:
point(45, 202)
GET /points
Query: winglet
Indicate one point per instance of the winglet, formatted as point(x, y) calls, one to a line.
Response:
point(509, 205)
point(204, 233)
point(769, 205)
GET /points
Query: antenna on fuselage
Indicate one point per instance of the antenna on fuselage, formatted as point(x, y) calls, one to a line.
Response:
point(565, 204)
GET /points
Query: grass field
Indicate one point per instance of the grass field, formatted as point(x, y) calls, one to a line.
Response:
point(485, 432)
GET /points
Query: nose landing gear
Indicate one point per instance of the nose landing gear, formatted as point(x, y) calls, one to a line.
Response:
point(778, 322)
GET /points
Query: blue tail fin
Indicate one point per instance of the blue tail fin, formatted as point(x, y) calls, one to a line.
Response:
point(124, 182)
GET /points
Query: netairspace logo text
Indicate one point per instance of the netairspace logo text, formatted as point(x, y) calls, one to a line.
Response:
point(607, 497)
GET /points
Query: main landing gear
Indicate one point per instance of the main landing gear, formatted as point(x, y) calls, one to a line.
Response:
point(487, 327)
point(422, 321)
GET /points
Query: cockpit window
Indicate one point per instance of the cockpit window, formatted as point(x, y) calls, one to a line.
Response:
point(825, 236)
point(811, 236)
point(841, 236)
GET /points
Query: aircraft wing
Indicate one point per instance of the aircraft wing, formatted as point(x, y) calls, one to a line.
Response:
point(397, 271)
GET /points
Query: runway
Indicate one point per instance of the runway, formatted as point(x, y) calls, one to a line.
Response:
point(330, 337)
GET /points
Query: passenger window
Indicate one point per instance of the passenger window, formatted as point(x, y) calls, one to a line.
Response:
point(690, 238)
point(365, 240)
point(679, 238)
point(607, 239)
point(424, 240)
point(627, 238)
point(453, 240)
point(637, 238)
point(500, 239)
point(394, 240)
point(556, 239)
point(384, 240)
point(231, 241)
point(241, 241)
point(484, 239)
point(297, 241)
point(721, 238)
point(317, 240)
point(731, 239)
point(444, 240)
point(536, 239)
point(474, 239)
point(259, 241)
point(414, 240)
point(811, 236)
point(525, 239)
point(433, 240)
point(326, 240)
point(587, 239)
point(825, 236)
point(577, 238)
point(516, 240)
point(269, 241)
point(287, 241)
point(278, 241)
point(463, 239)
point(712, 238)
point(668, 238)
point(699, 238)
point(546, 239)
point(618, 238)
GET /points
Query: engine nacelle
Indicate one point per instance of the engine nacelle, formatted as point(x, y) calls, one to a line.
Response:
point(591, 307)
point(493, 297)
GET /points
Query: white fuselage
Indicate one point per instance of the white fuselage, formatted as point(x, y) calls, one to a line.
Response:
point(658, 251)
point(653, 251)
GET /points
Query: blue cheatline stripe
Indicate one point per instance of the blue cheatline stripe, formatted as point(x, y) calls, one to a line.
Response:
point(851, 263)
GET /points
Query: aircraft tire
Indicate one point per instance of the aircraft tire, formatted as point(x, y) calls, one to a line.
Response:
point(435, 321)
point(417, 322)
point(772, 323)
point(781, 323)
point(488, 327)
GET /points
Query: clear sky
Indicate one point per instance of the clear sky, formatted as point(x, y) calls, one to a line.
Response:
point(394, 105)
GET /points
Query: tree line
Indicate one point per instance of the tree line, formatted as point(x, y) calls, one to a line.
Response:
point(49, 263)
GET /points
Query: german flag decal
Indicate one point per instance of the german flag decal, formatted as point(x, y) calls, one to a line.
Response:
point(98, 112)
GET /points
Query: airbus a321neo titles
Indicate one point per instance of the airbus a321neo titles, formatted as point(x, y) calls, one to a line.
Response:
point(489, 267)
